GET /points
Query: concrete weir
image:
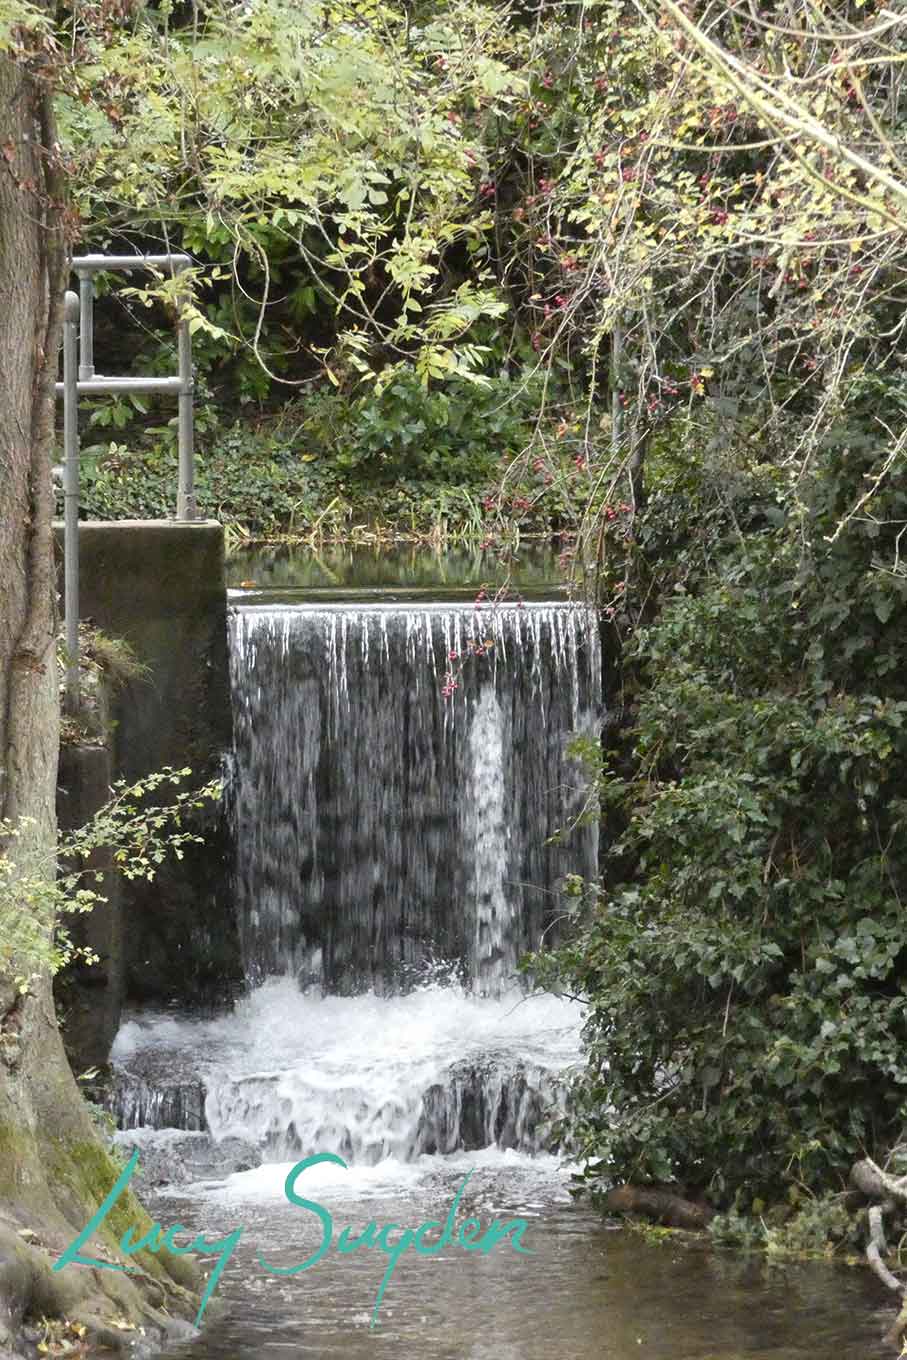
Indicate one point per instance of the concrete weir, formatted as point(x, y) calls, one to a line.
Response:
point(160, 585)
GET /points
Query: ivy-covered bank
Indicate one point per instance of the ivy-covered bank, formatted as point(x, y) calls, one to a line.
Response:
point(744, 954)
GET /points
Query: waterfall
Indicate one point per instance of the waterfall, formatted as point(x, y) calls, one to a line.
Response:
point(387, 819)
point(402, 800)
point(485, 845)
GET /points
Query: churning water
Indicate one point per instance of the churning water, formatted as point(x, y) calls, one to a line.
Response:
point(372, 1078)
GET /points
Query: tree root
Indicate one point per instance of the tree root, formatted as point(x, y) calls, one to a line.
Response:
point(888, 1193)
point(96, 1308)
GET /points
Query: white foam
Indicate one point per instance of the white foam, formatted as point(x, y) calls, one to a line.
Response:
point(293, 1074)
point(328, 1182)
point(278, 1024)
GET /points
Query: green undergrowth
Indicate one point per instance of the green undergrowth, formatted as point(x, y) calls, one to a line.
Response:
point(454, 464)
point(813, 1228)
point(820, 1228)
point(743, 954)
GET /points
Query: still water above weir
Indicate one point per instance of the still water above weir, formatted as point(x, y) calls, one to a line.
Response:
point(399, 775)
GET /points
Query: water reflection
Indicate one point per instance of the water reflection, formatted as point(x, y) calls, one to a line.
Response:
point(415, 566)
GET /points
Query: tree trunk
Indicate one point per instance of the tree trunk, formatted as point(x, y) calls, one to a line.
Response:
point(54, 1171)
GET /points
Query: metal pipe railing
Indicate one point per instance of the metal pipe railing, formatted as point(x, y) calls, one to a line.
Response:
point(98, 384)
point(185, 495)
point(71, 499)
point(94, 264)
point(80, 379)
point(86, 327)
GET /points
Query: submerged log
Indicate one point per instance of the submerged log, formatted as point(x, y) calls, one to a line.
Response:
point(660, 1205)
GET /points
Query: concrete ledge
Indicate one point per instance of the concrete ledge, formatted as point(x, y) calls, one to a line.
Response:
point(160, 585)
point(129, 566)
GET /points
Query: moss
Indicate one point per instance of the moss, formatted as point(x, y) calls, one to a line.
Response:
point(89, 1173)
point(112, 656)
point(50, 1187)
point(16, 1150)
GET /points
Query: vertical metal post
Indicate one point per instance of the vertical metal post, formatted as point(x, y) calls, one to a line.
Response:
point(185, 499)
point(86, 327)
point(617, 412)
point(71, 498)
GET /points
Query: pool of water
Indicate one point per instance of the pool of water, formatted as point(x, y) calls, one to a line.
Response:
point(588, 1291)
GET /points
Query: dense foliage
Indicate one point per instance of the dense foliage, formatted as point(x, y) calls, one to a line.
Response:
point(403, 456)
point(563, 201)
point(745, 955)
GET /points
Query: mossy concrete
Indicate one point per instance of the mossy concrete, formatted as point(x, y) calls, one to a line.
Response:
point(160, 584)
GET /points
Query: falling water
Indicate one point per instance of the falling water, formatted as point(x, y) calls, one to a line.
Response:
point(403, 802)
point(486, 844)
point(383, 824)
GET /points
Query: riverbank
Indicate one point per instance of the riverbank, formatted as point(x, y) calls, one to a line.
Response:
point(453, 477)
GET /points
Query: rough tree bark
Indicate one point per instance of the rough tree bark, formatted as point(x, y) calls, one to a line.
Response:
point(54, 1171)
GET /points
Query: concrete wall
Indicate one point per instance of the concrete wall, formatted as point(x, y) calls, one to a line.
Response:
point(160, 585)
point(90, 997)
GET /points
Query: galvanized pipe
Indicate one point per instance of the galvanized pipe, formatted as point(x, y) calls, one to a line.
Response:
point(99, 384)
point(71, 498)
point(86, 327)
point(94, 264)
point(185, 496)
